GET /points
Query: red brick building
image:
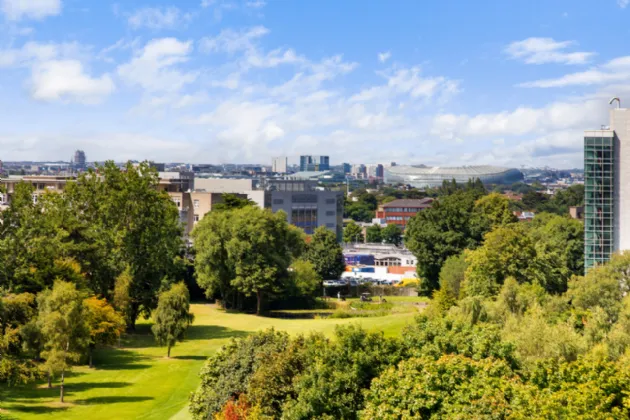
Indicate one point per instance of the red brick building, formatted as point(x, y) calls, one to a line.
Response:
point(400, 211)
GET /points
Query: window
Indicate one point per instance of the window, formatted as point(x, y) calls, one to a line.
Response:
point(1, 198)
point(304, 217)
point(278, 201)
point(331, 201)
point(330, 225)
point(330, 213)
point(196, 204)
point(178, 201)
point(35, 198)
point(304, 198)
point(196, 218)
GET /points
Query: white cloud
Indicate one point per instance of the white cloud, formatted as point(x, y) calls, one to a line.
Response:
point(623, 3)
point(66, 80)
point(256, 4)
point(30, 9)
point(231, 41)
point(158, 18)
point(155, 67)
point(384, 56)
point(521, 121)
point(617, 70)
point(546, 50)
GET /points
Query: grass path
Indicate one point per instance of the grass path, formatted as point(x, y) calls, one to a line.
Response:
point(138, 382)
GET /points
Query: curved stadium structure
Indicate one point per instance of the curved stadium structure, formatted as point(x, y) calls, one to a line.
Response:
point(423, 176)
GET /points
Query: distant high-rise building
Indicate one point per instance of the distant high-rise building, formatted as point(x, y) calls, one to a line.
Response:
point(607, 189)
point(79, 159)
point(279, 164)
point(375, 171)
point(347, 168)
point(314, 163)
point(359, 171)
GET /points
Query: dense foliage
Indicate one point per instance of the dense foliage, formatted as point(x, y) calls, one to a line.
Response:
point(111, 236)
point(247, 252)
point(325, 253)
point(172, 316)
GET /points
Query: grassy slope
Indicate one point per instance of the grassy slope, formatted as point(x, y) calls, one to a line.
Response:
point(139, 382)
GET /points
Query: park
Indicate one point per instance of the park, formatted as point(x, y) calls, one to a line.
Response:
point(138, 381)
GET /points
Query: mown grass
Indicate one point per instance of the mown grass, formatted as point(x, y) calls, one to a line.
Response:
point(138, 382)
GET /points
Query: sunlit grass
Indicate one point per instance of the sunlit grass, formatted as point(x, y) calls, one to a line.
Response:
point(139, 382)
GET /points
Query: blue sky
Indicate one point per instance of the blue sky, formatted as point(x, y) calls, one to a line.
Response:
point(440, 82)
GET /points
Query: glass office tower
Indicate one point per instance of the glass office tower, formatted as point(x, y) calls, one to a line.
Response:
point(599, 199)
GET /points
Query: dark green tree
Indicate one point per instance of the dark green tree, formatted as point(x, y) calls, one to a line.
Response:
point(392, 234)
point(325, 253)
point(374, 234)
point(172, 316)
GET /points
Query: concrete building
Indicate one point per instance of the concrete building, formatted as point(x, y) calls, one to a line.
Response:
point(359, 171)
point(310, 163)
point(79, 160)
point(41, 184)
point(399, 212)
point(607, 189)
point(279, 165)
point(375, 171)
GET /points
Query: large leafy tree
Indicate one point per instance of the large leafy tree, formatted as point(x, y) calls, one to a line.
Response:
point(392, 234)
point(104, 323)
point(447, 228)
point(247, 251)
point(352, 233)
point(172, 317)
point(325, 253)
point(62, 316)
point(374, 234)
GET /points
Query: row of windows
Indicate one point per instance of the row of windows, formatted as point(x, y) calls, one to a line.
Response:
point(397, 218)
point(402, 210)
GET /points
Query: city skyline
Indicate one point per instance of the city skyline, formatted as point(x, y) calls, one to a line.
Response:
point(244, 81)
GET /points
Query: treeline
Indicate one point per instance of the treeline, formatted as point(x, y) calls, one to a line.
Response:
point(247, 258)
point(524, 353)
point(80, 266)
point(481, 228)
point(534, 199)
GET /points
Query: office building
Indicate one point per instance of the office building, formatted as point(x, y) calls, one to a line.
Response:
point(359, 171)
point(347, 168)
point(607, 189)
point(375, 171)
point(399, 212)
point(314, 163)
point(79, 160)
point(279, 165)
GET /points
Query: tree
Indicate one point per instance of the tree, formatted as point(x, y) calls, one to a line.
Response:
point(232, 201)
point(452, 275)
point(62, 316)
point(325, 253)
point(104, 323)
point(392, 234)
point(352, 233)
point(122, 299)
point(305, 281)
point(262, 247)
point(496, 208)
point(506, 252)
point(374, 234)
point(446, 229)
point(172, 318)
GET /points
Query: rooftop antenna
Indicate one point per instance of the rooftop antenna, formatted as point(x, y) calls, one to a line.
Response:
point(615, 99)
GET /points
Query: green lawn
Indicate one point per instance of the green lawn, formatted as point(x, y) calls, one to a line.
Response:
point(138, 382)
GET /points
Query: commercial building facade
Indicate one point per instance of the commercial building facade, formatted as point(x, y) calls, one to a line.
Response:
point(607, 189)
point(310, 163)
point(399, 212)
point(279, 165)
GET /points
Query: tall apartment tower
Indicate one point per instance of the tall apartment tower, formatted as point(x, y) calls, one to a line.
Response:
point(607, 189)
point(314, 163)
point(279, 164)
point(79, 159)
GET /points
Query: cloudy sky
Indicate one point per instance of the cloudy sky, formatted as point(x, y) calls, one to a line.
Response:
point(444, 82)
